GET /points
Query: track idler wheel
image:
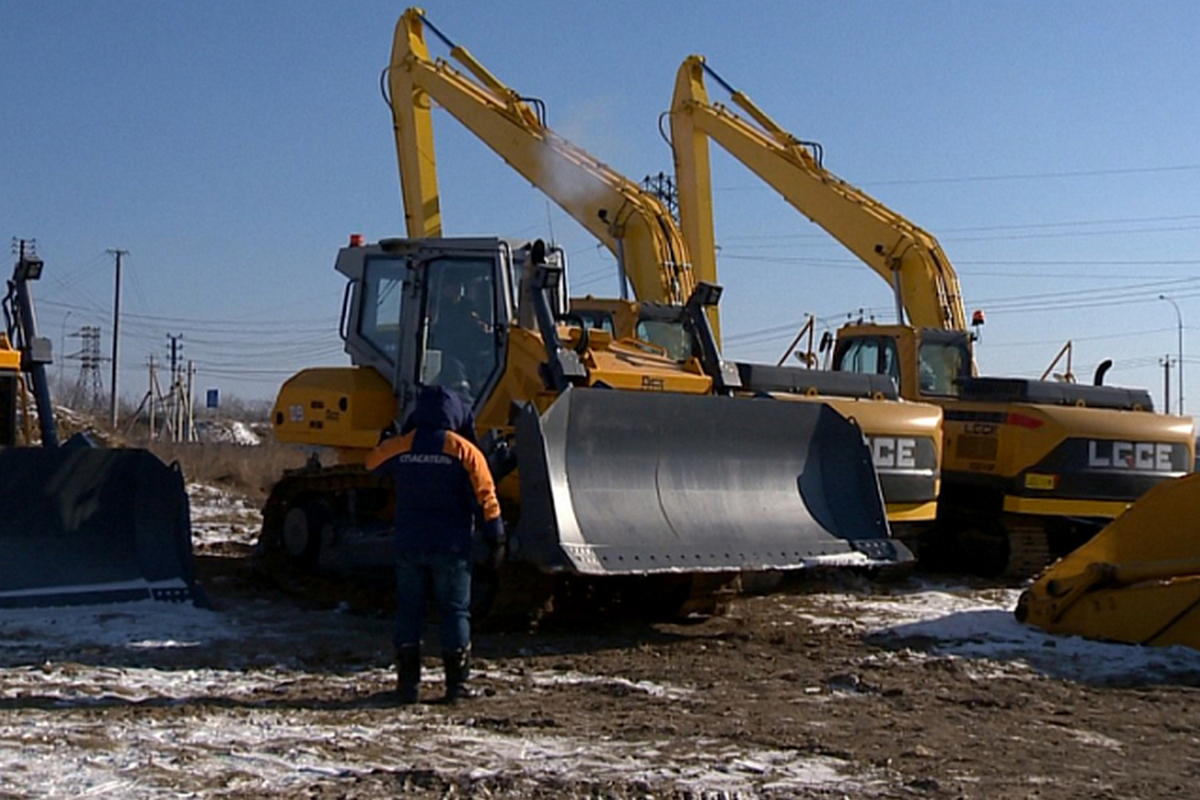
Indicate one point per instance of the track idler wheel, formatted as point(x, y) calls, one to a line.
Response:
point(304, 527)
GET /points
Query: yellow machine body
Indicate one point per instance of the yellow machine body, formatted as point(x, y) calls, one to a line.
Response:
point(1137, 581)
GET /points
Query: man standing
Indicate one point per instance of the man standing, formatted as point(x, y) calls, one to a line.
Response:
point(443, 486)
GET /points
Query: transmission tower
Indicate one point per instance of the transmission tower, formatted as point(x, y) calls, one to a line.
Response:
point(662, 186)
point(89, 387)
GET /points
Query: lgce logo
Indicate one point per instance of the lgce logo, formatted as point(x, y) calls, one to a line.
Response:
point(1154, 456)
point(888, 451)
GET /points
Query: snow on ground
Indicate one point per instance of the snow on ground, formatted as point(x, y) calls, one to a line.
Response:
point(978, 624)
point(219, 518)
point(232, 432)
point(228, 732)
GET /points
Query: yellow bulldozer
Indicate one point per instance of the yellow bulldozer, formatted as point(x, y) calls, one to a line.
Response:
point(79, 524)
point(626, 474)
point(612, 460)
point(653, 258)
point(1031, 468)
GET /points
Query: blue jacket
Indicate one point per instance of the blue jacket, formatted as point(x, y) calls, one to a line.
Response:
point(443, 484)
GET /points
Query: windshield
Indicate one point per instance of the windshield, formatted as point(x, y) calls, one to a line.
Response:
point(461, 350)
point(941, 364)
point(669, 335)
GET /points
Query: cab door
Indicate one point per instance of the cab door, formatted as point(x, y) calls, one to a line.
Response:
point(454, 319)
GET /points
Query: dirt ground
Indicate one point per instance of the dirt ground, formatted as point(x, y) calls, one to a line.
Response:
point(768, 701)
point(820, 690)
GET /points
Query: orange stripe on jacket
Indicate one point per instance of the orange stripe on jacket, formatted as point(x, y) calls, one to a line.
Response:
point(477, 470)
point(389, 448)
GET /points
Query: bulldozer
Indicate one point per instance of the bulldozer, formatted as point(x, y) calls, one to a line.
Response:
point(1032, 468)
point(652, 256)
point(80, 524)
point(621, 475)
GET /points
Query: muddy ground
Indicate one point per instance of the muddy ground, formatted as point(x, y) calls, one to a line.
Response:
point(784, 696)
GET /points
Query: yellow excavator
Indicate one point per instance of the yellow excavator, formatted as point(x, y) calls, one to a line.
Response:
point(1031, 468)
point(79, 524)
point(652, 257)
point(622, 476)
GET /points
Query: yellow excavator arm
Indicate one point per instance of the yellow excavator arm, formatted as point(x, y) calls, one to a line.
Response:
point(907, 257)
point(631, 223)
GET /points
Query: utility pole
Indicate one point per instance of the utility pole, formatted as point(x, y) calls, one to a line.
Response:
point(118, 254)
point(176, 395)
point(153, 400)
point(189, 402)
point(1166, 365)
point(1179, 320)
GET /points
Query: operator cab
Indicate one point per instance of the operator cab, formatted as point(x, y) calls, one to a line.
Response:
point(429, 312)
point(943, 358)
point(662, 326)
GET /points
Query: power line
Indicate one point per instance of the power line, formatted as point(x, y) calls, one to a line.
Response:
point(1015, 176)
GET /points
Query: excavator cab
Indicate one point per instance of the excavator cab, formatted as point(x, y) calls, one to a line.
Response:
point(655, 325)
point(943, 358)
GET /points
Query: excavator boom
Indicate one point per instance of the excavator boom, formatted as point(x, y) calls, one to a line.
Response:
point(613, 209)
point(907, 257)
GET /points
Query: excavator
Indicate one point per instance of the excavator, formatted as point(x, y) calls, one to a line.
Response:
point(623, 474)
point(652, 257)
point(1031, 468)
point(80, 524)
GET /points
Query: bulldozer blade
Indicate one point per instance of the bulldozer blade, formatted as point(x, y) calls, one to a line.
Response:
point(1136, 581)
point(619, 482)
point(82, 525)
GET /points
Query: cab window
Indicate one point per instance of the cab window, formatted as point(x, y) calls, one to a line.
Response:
point(461, 351)
point(874, 355)
point(941, 364)
point(596, 321)
point(671, 336)
point(379, 323)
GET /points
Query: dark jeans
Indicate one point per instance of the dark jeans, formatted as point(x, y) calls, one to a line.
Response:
point(449, 578)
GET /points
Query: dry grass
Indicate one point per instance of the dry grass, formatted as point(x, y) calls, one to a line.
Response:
point(249, 471)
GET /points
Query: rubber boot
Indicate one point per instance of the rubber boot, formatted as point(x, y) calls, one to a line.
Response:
point(458, 668)
point(408, 674)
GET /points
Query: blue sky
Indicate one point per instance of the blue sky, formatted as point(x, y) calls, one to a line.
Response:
point(232, 147)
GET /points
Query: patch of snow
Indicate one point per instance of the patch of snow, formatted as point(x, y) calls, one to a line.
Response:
point(575, 679)
point(228, 432)
point(219, 518)
point(131, 625)
point(975, 624)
